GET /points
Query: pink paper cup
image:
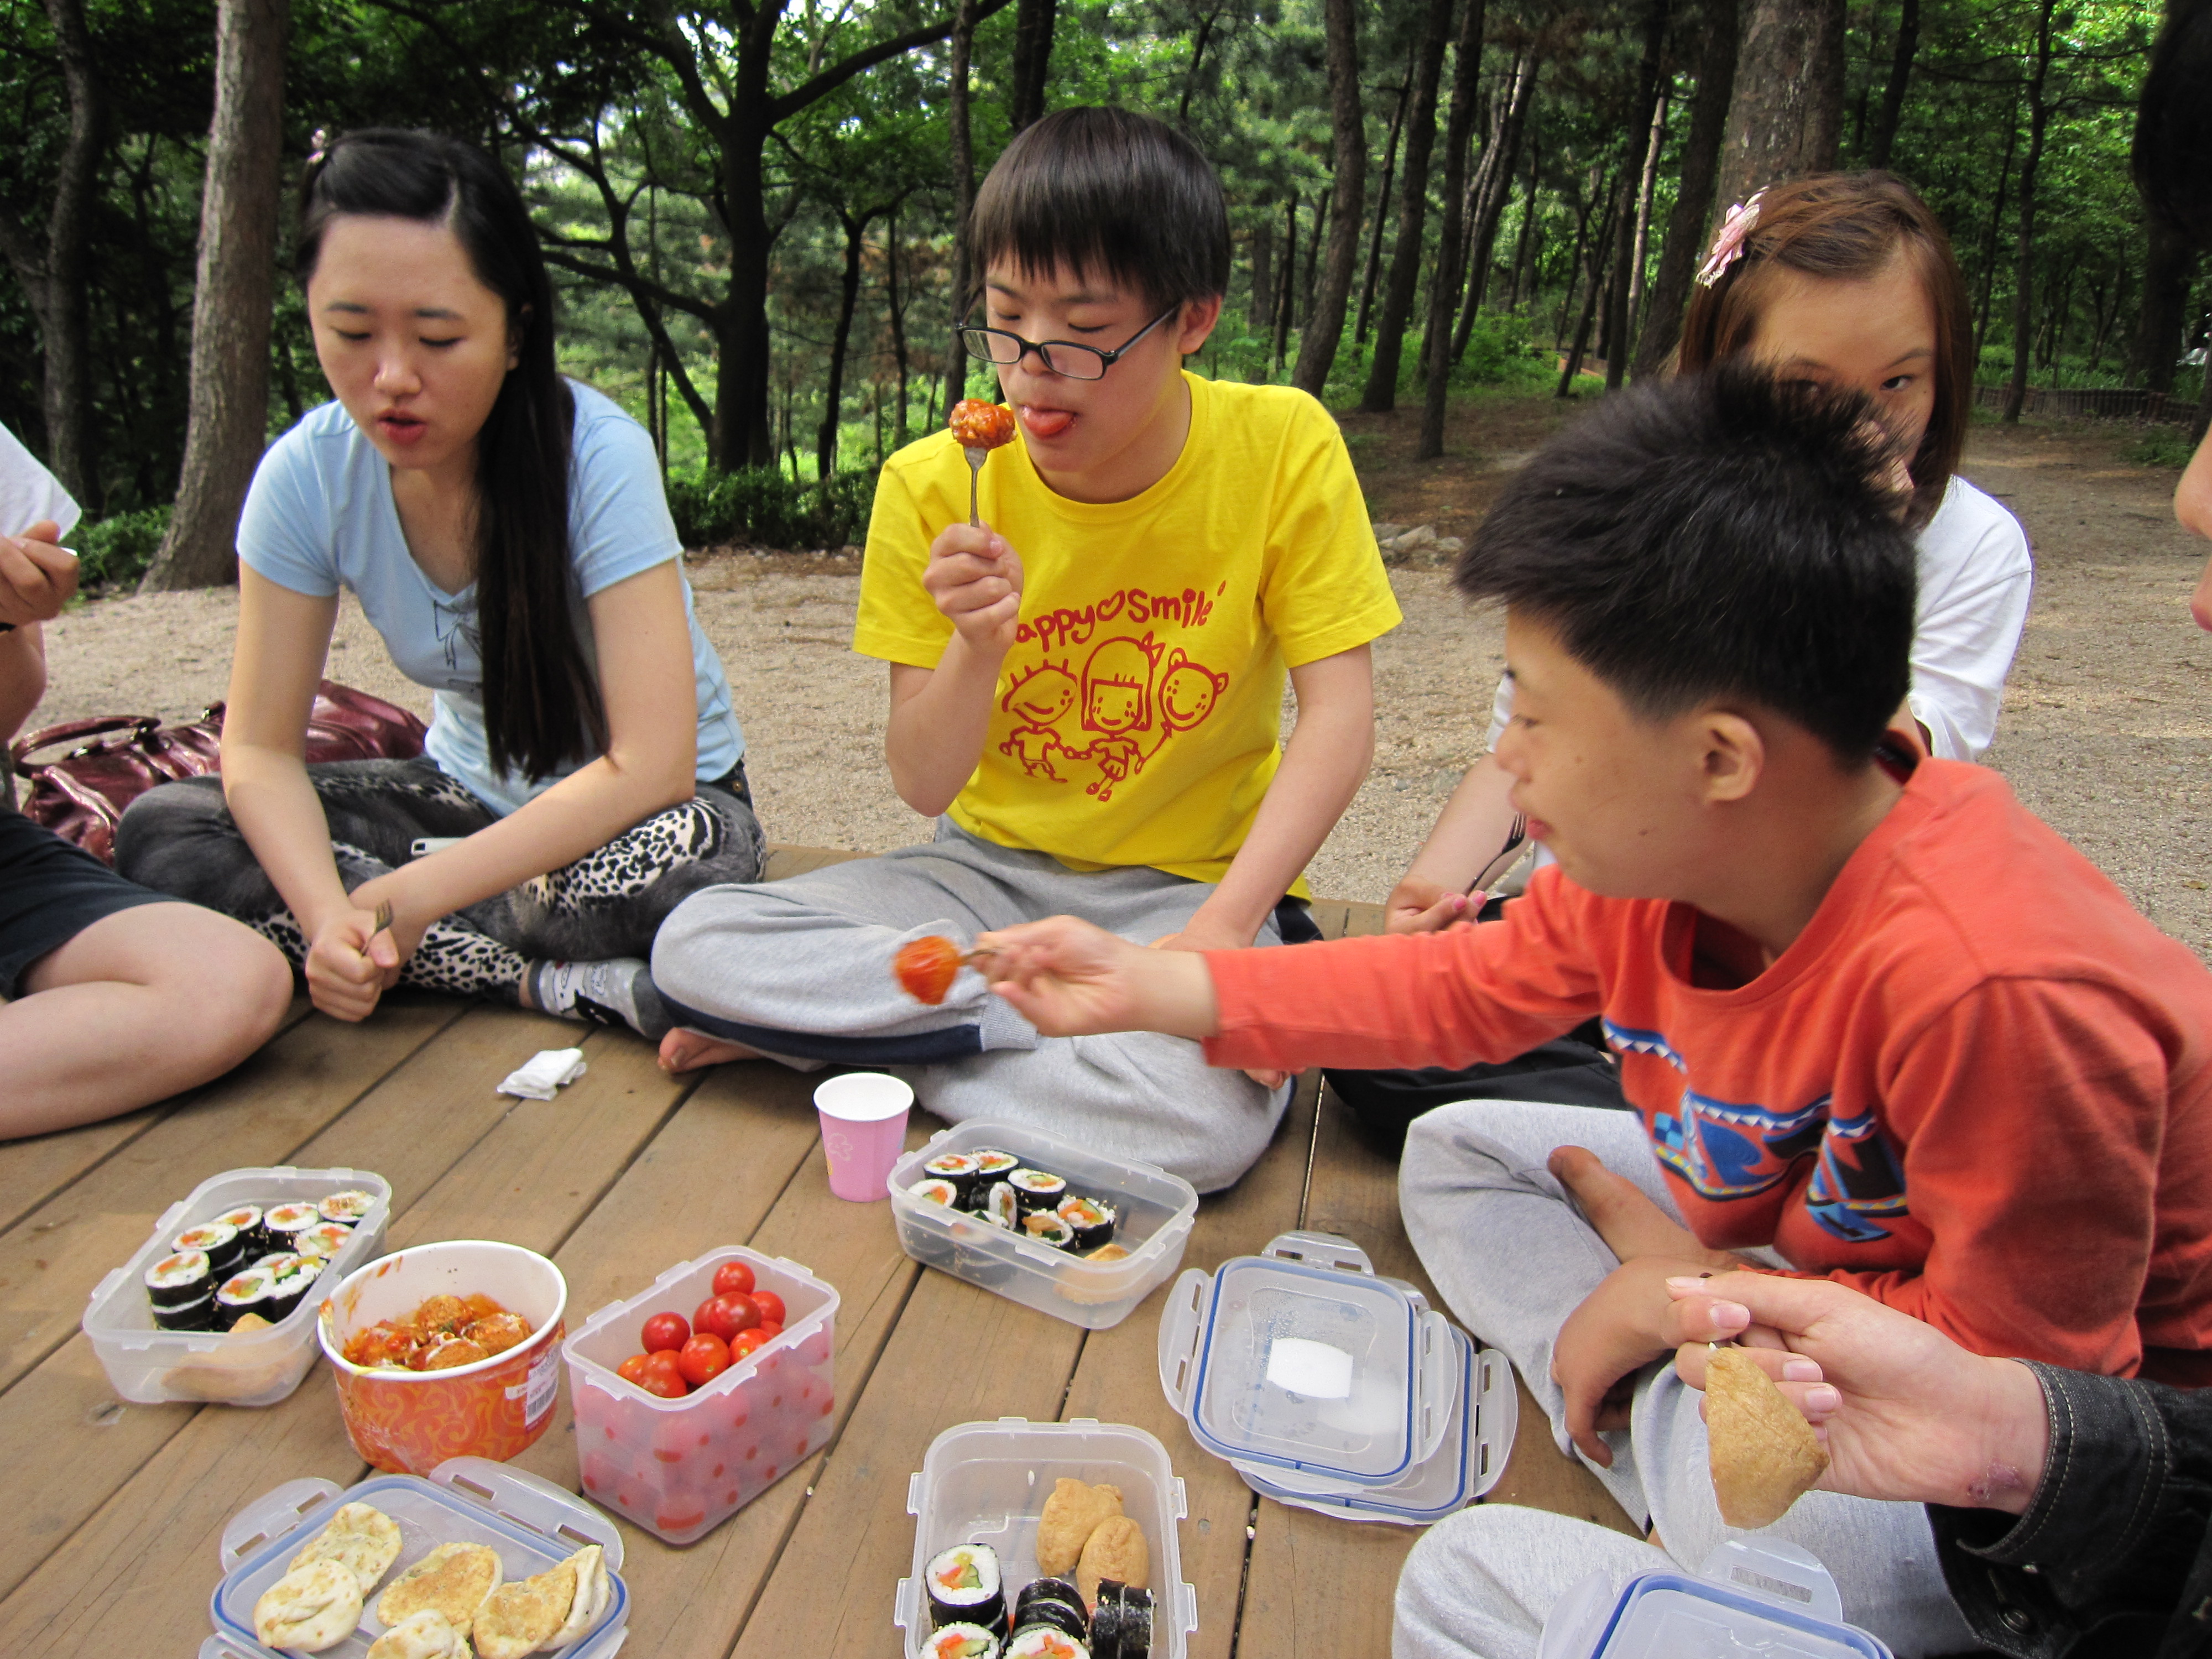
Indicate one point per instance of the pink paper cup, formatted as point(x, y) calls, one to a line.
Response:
point(863, 1132)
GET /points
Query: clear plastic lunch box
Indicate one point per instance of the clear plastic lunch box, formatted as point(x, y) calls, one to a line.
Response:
point(681, 1468)
point(149, 1365)
point(533, 1523)
point(985, 1483)
point(1154, 1211)
point(1751, 1596)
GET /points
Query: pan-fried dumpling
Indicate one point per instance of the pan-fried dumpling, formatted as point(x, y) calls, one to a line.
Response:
point(309, 1609)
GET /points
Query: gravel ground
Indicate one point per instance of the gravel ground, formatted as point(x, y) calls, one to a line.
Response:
point(2106, 730)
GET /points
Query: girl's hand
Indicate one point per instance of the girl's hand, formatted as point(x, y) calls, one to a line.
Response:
point(1068, 978)
point(1906, 1414)
point(350, 964)
point(1420, 906)
point(975, 579)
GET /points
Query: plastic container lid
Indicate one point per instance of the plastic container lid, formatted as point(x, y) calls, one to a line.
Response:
point(1752, 1595)
point(1465, 1465)
point(1302, 1358)
point(533, 1523)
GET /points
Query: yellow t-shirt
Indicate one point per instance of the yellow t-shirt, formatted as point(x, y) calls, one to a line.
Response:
point(1139, 719)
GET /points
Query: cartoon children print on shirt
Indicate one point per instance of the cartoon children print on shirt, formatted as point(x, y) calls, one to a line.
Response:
point(1133, 695)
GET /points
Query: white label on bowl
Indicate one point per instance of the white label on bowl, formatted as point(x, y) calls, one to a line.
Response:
point(1315, 1369)
point(544, 1375)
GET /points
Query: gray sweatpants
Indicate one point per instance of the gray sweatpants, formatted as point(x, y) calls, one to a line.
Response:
point(802, 969)
point(1513, 1257)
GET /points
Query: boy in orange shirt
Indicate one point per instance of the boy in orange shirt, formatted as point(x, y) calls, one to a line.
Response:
point(1879, 1024)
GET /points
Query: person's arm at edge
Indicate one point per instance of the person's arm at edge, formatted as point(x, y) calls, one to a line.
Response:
point(22, 678)
point(1324, 765)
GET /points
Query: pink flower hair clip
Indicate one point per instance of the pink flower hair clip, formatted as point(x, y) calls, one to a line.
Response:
point(1728, 242)
point(318, 145)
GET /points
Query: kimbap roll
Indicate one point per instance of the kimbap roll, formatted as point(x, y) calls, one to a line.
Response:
point(1106, 1624)
point(1093, 1222)
point(1038, 1189)
point(1002, 1205)
point(960, 1642)
point(1046, 1642)
point(191, 1317)
point(291, 1286)
point(964, 1588)
point(180, 1280)
point(325, 1239)
point(991, 1164)
point(1054, 1602)
point(960, 1170)
point(247, 1218)
point(1048, 1229)
point(935, 1191)
point(219, 1239)
point(283, 1223)
point(251, 1291)
point(348, 1207)
point(1136, 1620)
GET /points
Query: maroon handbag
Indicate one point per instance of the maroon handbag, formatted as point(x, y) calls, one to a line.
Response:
point(114, 759)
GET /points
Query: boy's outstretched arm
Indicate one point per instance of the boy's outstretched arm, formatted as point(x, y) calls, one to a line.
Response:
point(1324, 763)
point(1069, 978)
point(940, 716)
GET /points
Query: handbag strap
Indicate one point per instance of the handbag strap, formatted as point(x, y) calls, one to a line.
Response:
point(74, 733)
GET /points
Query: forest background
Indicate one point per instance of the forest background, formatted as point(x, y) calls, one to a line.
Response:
point(754, 209)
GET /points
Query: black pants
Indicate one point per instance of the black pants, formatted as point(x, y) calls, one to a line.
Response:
point(180, 839)
point(1574, 1070)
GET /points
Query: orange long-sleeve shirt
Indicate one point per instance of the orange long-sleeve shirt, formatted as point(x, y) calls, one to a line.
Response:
point(1976, 1087)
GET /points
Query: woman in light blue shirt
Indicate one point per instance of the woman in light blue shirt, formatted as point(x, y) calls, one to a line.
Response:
point(505, 532)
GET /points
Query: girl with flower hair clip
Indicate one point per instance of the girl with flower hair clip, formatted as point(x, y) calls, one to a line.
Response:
point(1845, 279)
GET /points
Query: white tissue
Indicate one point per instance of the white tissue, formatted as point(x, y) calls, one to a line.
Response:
point(549, 1068)
point(1313, 1369)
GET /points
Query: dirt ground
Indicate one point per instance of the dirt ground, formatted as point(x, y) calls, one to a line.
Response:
point(2106, 729)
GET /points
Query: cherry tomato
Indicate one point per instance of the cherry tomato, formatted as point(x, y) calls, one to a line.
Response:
point(725, 1315)
point(732, 1276)
point(663, 1376)
point(770, 1306)
point(702, 1319)
point(703, 1358)
point(666, 1332)
point(743, 1343)
point(632, 1370)
point(770, 1330)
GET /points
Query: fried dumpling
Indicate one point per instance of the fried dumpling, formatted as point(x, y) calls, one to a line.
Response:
point(421, 1635)
point(362, 1540)
point(526, 1615)
point(1764, 1456)
point(1070, 1515)
point(452, 1580)
point(309, 1609)
point(592, 1594)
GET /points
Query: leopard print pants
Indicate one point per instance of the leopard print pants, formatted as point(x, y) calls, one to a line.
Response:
point(179, 839)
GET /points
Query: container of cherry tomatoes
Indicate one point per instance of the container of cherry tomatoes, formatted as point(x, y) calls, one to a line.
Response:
point(695, 1396)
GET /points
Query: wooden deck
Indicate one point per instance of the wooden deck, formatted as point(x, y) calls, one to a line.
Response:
point(113, 1511)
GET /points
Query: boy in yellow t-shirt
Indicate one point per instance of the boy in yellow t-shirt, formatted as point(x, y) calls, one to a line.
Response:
point(1086, 690)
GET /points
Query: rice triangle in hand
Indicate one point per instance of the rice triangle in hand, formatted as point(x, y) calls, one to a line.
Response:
point(1764, 1456)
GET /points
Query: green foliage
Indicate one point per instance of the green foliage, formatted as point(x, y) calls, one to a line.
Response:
point(2160, 447)
point(1501, 350)
point(765, 506)
point(113, 553)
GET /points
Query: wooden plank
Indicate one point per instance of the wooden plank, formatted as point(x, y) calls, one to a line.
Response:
point(784, 861)
point(730, 1154)
point(136, 1574)
point(1118, 1380)
point(34, 1170)
point(261, 1114)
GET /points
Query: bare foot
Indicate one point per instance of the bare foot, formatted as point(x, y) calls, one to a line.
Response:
point(1630, 1223)
point(687, 1051)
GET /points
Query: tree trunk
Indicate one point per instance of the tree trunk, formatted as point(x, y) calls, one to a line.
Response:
point(1260, 310)
point(1637, 164)
point(1693, 193)
point(1382, 210)
point(833, 396)
point(1444, 284)
point(1382, 393)
point(2023, 269)
point(1287, 287)
point(1303, 314)
point(1325, 327)
point(891, 304)
point(1997, 223)
point(1640, 264)
point(1892, 96)
point(1524, 247)
point(1787, 115)
point(232, 299)
point(2169, 263)
point(1489, 209)
point(1033, 23)
point(1599, 248)
point(963, 203)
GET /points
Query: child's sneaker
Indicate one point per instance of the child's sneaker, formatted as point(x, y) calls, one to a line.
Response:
point(617, 992)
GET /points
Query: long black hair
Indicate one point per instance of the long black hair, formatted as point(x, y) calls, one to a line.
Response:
point(541, 703)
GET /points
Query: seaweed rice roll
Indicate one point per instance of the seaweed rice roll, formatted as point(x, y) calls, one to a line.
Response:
point(937, 1191)
point(1048, 1229)
point(189, 1317)
point(1038, 1189)
point(1002, 1205)
point(247, 1218)
point(249, 1292)
point(991, 1164)
point(1054, 1602)
point(349, 1206)
point(1046, 1642)
point(964, 1588)
point(960, 1170)
point(960, 1642)
point(180, 1280)
point(283, 1223)
point(219, 1239)
point(326, 1238)
point(1093, 1222)
point(290, 1283)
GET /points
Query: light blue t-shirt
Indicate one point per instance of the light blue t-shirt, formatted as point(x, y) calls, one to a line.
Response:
point(320, 517)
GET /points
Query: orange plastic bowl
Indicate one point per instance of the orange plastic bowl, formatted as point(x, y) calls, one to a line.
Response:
point(410, 1422)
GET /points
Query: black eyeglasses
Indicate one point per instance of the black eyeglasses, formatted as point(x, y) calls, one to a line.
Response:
point(1077, 363)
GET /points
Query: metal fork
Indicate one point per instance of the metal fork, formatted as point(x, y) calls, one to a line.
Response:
point(1508, 855)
